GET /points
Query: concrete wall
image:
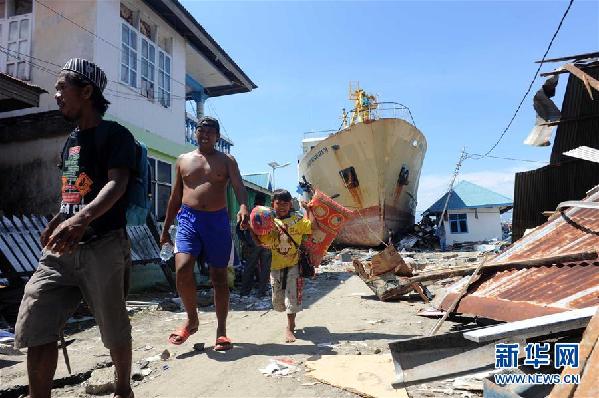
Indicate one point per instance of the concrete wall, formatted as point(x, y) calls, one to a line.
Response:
point(486, 227)
point(136, 109)
point(29, 156)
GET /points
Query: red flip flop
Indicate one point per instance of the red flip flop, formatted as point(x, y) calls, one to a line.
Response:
point(183, 334)
point(223, 343)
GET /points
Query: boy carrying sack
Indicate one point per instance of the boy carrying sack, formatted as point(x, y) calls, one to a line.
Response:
point(284, 240)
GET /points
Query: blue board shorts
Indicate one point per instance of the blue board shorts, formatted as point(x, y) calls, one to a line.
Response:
point(207, 233)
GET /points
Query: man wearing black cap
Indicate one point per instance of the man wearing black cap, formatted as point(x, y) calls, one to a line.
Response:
point(199, 201)
point(86, 251)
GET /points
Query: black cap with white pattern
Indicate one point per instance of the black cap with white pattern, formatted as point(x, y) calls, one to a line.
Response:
point(89, 70)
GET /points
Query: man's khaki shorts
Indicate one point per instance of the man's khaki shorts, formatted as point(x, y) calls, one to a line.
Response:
point(289, 299)
point(98, 272)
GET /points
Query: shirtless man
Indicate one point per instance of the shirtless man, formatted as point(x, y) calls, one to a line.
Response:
point(199, 202)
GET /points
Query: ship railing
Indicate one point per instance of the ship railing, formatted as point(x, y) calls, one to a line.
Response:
point(318, 134)
point(387, 110)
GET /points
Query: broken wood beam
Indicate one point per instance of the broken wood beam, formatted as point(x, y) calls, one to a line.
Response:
point(566, 258)
point(570, 57)
point(533, 327)
point(589, 345)
point(461, 293)
point(586, 78)
point(562, 70)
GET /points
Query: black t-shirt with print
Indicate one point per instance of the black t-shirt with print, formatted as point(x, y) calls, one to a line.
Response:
point(86, 158)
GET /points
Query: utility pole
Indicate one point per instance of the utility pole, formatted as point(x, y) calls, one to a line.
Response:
point(458, 165)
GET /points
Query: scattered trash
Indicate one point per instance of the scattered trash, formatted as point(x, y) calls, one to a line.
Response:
point(6, 336)
point(279, 367)
point(377, 351)
point(430, 312)
point(376, 321)
point(170, 304)
point(327, 345)
point(8, 349)
point(153, 358)
point(138, 373)
point(198, 347)
point(165, 367)
point(165, 355)
point(101, 382)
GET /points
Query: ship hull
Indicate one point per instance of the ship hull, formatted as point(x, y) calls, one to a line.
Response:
point(374, 169)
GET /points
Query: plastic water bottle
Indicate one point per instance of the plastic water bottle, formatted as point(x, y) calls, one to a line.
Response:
point(166, 252)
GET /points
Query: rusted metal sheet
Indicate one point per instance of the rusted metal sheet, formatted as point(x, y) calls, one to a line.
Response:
point(518, 294)
point(572, 231)
point(524, 292)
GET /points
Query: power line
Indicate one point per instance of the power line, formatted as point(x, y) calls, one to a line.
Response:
point(477, 156)
point(531, 83)
point(111, 92)
point(118, 48)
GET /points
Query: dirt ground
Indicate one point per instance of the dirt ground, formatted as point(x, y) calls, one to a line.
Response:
point(341, 317)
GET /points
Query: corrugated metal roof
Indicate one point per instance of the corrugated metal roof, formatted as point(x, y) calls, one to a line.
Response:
point(585, 153)
point(261, 179)
point(516, 294)
point(468, 195)
point(524, 292)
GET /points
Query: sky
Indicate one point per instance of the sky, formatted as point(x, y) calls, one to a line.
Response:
point(462, 67)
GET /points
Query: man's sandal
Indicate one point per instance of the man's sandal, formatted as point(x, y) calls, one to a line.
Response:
point(180, 336)
point(223, 343)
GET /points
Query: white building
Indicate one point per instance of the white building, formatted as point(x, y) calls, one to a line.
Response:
point(473, 213)
point(156, 57)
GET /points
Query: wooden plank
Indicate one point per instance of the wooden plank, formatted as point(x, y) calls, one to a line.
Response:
point(135, 257)
point(587, 80)
point(568, 58)
point(39, 222)
point(31, 236)
point(539, 326)
point(587, 346)
point(15, 243)
point(11, 256)
point(23, 240)
point(151, 246)
point(140, 242)
point(431, 276)
point(455, 302)
point(131, 231)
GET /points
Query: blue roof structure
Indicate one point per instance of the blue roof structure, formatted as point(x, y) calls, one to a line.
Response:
point(261, 179)
point(466, 195)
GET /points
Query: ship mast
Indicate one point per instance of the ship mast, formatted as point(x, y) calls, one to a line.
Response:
point(364, 106)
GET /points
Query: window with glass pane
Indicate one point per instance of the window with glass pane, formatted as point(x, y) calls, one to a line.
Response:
point(161, 187)
point(148, 61)
point(18, 46)
point(129, 55)
point(164, 79)
point(22, 7)
point(458, 223)
point(2, 11)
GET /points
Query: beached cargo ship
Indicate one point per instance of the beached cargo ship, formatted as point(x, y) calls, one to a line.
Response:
point(371, 165)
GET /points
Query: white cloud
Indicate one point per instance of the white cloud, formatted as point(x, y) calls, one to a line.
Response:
point(433, 186)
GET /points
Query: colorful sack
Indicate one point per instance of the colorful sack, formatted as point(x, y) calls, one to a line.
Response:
point(330, 217)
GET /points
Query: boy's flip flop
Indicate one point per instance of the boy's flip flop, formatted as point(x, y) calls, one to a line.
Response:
point(183, 334)
point(223, 343)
